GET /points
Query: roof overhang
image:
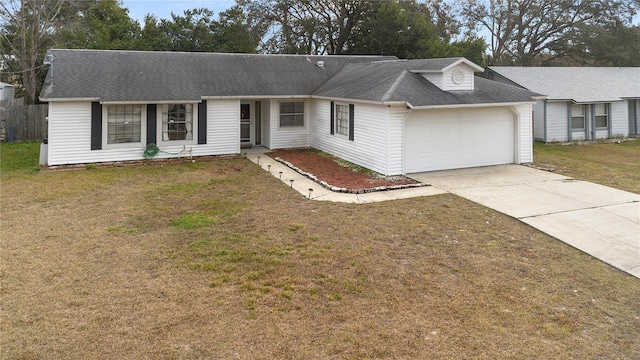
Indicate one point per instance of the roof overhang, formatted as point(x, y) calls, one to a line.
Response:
point(469, 63)
point(458, 106)
point(152, 102)
point(257, 97)
point(69, 99)
point(360, 100)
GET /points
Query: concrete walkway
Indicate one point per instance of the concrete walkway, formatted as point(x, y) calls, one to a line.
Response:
point(302, 184)
point(599, 220)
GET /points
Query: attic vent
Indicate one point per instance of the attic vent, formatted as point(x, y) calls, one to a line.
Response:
point(320, 63)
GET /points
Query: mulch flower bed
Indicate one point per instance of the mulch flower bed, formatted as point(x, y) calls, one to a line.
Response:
point(326, 170)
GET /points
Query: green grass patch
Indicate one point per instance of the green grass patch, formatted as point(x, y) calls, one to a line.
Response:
point(19, 158)
point(224, 209)
point(188, 188)
point(193, 221)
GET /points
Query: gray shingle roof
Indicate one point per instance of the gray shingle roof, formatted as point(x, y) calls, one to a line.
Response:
point(580, 84)
point(111, 75)
point(393, 81)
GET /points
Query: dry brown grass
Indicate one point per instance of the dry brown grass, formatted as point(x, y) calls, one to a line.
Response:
point(607, 163)
point(220, 260)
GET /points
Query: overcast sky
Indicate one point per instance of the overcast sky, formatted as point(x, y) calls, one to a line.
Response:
point(162, 8)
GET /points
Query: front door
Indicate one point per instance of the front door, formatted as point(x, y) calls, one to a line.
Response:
point(245, 124)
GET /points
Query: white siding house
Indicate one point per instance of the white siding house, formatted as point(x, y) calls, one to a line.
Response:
point(583, 103)
point(285, 136)
point(391, 116)
point(371, 124)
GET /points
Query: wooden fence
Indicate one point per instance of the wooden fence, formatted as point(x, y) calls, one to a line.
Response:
point(23, 122)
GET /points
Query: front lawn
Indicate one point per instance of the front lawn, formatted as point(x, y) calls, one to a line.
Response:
point(219, 259)
point(606, 163)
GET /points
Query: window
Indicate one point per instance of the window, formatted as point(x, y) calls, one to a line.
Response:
point(177, 122)
point(124, 124)
point(602, 119)
point(342, 119)
point(292, 114)
point(577, 117)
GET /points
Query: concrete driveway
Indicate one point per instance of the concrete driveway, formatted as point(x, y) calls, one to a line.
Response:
point(599, 220)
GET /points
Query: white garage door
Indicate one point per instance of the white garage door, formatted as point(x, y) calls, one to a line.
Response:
point(452, 139)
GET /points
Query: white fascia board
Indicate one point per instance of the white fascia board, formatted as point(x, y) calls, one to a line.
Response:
point(560, 100)
point(594, 101)
point(425, 71)
point(359, 100)
point(152, 102)
point(457, 106)
point(471, 64)
point(68, 99)
point(256, 97)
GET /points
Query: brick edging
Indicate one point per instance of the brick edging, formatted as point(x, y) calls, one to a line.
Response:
point(337, 189)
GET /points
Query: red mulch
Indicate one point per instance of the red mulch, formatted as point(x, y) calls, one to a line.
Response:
point(327, 169)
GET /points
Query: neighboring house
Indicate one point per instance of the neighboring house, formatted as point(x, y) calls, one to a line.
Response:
point(582, 103)
point(7, 91)
point(391, 116)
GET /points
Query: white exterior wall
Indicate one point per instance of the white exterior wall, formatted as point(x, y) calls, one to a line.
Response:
point(620, 118)
point(524, 136)
point(444, 81)
point(266, 124)
point(370, 147)
point(223, 128)
point(538, 120)
point(395, 139)
point(467, 84)
point(289, 137)
point(70, 135)
point(557, 123)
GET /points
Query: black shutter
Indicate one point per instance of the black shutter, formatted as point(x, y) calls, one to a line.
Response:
point(96, 126)
point(202, 122)
point(332, 118)
point(152, 116)
point(351, 114)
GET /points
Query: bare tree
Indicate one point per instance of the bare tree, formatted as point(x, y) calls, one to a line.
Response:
point(307, 26)
point(523, 30)
point(26, 28)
